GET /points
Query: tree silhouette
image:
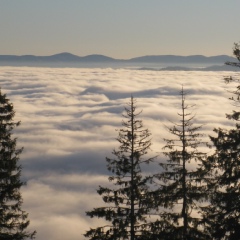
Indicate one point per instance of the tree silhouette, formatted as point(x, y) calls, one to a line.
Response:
point(222, 216)
point(183, 185)
point(13, 221)
point(236, 53)
point(233, 79)
point(127, 201)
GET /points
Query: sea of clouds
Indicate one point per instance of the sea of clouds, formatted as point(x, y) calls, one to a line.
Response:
point(69, 118)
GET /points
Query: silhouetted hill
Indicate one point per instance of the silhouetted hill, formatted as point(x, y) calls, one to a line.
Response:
point(210, 68)
point(66, 59)
point(61, 57)
point(184, 59)
point(98, 58)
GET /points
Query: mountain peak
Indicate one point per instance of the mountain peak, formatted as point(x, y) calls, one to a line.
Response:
point(64, 56)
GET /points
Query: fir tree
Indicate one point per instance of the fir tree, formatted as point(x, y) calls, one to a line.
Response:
point(183, 185)
point(222, 216)
point(230, 79)
point(127, 202)
point(236, 53)
point(13, 221)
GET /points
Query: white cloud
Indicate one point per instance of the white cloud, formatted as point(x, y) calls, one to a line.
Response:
point(69, 117)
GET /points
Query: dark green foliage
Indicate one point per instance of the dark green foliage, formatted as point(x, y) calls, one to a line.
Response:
point(230, 79)
point(127, 201)
point(183, 185)
point(222, 216)
point(13, 221)
point(236, 53)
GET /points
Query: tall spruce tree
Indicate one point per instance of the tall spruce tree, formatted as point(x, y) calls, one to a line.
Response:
point(182, 181)
point(236, 53)
point(127, 202)
point(13, 221)
point(222, 216)
point(235, 115)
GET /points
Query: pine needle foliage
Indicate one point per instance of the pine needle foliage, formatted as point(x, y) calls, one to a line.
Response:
point(127, 201)
point(234, 80)
point(236, 53)
point(222, 216)
point(13, 221)
point(182, 181)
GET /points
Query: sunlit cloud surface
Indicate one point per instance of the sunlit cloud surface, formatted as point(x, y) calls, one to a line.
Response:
point(69, 120)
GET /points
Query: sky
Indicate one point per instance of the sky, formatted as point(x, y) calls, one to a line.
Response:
point(120, 29)
point(69, 118)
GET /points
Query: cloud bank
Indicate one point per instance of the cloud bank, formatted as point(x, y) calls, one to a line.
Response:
point(69, 117)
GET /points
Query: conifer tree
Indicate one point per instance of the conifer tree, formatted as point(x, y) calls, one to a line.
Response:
point(126, 207)
point(13, 220)
point(230, 79)
point(236, 53)
point(182, 181)
point(222, 216)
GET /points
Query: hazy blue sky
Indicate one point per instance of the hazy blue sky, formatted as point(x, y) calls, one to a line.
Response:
point(120, 29)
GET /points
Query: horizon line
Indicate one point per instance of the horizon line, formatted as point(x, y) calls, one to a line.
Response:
point(98, 54)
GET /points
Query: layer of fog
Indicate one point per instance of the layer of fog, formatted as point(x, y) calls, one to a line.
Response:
point(69, 120)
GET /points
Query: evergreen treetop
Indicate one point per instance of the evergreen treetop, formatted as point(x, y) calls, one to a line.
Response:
point(127, 207)
point(13, 220)
point(222, 216)
point(182, 181)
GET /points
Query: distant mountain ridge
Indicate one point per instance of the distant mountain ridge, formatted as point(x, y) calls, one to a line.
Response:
point(210, 68)
point(184, 59)
point(68, 57)
point(60, 57)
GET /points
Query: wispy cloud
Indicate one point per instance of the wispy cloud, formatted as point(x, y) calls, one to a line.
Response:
point(69, 117)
